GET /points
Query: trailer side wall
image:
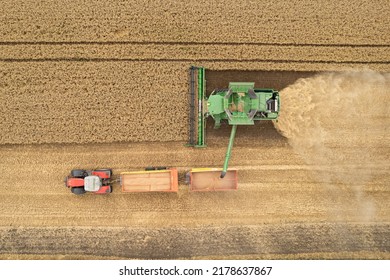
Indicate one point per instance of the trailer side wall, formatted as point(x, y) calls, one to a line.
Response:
point(150, 181)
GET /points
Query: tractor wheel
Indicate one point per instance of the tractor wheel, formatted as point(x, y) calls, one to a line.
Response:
point(78, 173)
point(78, 190)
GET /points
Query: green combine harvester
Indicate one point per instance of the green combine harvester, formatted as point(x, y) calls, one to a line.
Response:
point(239, 104)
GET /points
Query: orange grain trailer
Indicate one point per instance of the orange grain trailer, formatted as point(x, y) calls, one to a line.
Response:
point(150, 181)
point(209, 179)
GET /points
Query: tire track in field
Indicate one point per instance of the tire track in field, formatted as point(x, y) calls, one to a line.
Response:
point(298, 45)
point(193, 53)
point(177, 243)
point(186, 60)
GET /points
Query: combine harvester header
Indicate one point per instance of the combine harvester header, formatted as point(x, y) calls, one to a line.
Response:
point(239, 104)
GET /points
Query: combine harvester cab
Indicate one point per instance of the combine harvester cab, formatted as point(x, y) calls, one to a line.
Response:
point(156, 180)
point(209, 179)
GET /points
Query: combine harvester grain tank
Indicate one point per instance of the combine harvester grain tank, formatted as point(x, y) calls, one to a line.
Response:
point(238, 104)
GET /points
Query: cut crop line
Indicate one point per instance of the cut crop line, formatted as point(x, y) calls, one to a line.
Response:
point(5, 43)
point(62, 59)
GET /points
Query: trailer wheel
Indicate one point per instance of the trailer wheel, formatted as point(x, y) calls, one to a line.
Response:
point(78, 190)
point(78, 173)
point(161, 168)
point(149, 168)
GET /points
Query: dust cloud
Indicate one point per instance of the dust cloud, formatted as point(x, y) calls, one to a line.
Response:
point(339, 124)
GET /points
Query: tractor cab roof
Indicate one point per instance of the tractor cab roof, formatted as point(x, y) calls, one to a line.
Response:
point(92, 183)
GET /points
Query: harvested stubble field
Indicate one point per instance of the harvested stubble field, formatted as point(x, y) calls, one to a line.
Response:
point(87, 84)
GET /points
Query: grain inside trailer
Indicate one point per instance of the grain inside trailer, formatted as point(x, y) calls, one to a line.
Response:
point(208, 179)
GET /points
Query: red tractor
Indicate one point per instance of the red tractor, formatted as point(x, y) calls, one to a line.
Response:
point(96, 181)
